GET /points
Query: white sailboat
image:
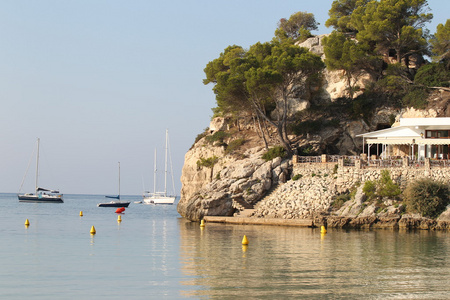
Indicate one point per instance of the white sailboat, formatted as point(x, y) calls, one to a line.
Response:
point(114, 203)
point(161, 197)
point(41, 195)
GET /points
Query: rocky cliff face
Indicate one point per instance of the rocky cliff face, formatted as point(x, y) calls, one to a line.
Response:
point(231, 182)
point(334, 86)
point(243, 178)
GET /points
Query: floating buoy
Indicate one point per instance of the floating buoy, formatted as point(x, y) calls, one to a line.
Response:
point(27, 223)
point(244, 240)
point(120, 210)
point(93, 230)
point(202, 223)
point(81, 213)
point(323, 229)
point(244, 248)
point(119, 218)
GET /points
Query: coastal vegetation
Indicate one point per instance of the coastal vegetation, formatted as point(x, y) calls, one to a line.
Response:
point(383, 187)
point(313, 95)
point(427, 197)
point(209, 162)
point(385, 40)
point(274, 152)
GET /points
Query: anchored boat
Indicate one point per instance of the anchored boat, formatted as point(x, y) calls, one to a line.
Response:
point(41, 195)
point(161, 197)
point(113, 203)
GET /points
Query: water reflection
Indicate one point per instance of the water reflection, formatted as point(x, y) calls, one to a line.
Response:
point(301, 262)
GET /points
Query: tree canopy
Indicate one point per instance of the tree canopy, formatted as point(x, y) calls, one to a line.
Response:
point(440, 43)
point(298, 27)
point(393, 24)
point(340, 14)
point(343, 53)
point(262, 80)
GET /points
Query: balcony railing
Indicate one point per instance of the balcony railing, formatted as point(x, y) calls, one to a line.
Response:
point(389, 162)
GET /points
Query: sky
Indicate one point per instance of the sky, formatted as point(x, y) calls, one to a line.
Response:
point(99, 82)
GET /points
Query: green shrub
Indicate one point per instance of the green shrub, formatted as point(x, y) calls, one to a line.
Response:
point(207, 162)
point(427, 197)
point(200, 136)
point(433, 74)
point(383, 187)
point(234, 145)
point(297, 177)
point(307, 151)
point(217, 136)
point(386, 187)
point(336, 167)
point(340, 200)
point(370, 189)
point(274, 152)
point(416, 98)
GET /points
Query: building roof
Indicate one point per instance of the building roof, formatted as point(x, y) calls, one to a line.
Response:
point(410, 131)
point(425, 122)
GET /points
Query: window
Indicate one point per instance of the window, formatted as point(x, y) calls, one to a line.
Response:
point(433, 134)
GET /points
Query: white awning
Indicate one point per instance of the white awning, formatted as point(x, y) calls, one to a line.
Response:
point(409, 141)
point(390, 141)
point(435, 141)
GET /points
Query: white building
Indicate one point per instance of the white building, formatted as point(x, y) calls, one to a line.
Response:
point(414, 137)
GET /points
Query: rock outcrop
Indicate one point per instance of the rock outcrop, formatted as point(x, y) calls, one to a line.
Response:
point(216, 182)
point(218, 191)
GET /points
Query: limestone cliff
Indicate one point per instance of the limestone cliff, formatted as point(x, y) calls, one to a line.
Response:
point(235, 179)
point(218, 180)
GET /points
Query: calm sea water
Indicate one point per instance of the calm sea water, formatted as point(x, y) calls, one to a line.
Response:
point(155, 254)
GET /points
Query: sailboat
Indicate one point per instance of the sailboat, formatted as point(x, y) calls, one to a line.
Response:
point(160, 197)
point(41, 195)
point(113, 203)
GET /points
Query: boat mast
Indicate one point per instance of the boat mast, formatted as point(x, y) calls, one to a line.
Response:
point(165, 166)
point(37, 166)
point(119, 181)
point(154, 173)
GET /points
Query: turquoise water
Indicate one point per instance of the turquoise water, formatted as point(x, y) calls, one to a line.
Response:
point(155, 254)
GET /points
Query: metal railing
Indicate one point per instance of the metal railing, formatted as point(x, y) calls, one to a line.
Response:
point(309, 159)
point(440, 163)
point(388, 162)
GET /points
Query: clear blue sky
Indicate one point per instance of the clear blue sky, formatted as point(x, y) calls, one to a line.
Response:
point(99, 82)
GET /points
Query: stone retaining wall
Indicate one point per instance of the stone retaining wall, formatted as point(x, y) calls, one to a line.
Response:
point(345, 176)
point(315, 186)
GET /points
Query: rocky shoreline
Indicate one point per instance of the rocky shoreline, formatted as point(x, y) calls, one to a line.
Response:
point(286, 192)
point(406, 222)
point(310, 201)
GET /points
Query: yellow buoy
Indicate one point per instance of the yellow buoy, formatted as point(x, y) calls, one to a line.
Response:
point(27, 223)
point(81, 213)
point(202, 223)
point(244, 240)
point(119, 218)
point(93, 230)
point(323, 229)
